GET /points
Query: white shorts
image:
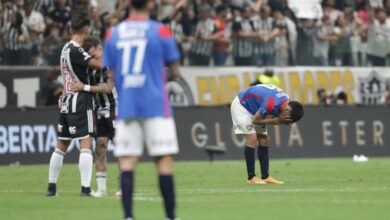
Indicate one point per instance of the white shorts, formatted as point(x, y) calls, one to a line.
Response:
point(242, 120)
point(158, 133)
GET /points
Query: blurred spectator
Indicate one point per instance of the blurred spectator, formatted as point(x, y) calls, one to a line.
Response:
point(385, 100)
point(173, 21)
point(43, 6)
point(200, 51)
point(341, 98)
point(51, 47)
point(323, 36)
point(265, 47)
point(52, 89)
point(342, 45)
point(305, 44)
point(60, 14)
point(267, 78)
point(221, 43)
point(281, 41)
point(322, 97)
point(15, 38)
point(262, 32)
point(378, 37)
point(81, 6)
point(36, 27)
point(166, 6)
point(243, 37)
point(96, 23)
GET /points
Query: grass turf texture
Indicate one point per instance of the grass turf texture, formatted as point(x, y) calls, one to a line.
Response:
point(314, 189)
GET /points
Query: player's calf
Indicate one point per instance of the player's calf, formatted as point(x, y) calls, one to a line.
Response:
point(101, 166)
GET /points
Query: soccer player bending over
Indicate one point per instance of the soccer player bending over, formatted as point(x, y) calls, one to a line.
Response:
point(105, 108)
point(137, 50)
point(251, 111)
point(76, 116)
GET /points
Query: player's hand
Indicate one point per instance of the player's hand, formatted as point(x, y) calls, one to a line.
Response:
point(284, 119)
point(76, 86)
point(60, 102)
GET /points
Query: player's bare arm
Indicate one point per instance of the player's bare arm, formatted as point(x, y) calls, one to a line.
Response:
point(78, 86)
point(282, 119)
point(174, 70)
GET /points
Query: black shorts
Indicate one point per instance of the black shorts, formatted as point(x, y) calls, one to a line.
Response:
point(105, 126)
point(76, 125)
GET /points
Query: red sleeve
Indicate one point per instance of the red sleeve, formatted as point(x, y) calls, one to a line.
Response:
point(108, 34)
point(164, 31)
point(270, 105)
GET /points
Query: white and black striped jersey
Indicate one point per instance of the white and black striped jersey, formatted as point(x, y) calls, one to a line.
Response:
point(44, 6)
point(74, 65)
point(103, 102)
point(265, 27)
point(243, 46)
point(11, 36)
point(203, 47)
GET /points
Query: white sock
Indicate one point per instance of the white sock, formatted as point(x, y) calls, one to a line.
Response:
point(56, 161)
point(85, 167)
point(101, 180)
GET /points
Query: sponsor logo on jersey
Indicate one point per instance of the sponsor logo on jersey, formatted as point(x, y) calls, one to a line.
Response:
point(72, 130)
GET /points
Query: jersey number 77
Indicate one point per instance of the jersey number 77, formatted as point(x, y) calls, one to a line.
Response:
point(132, 74)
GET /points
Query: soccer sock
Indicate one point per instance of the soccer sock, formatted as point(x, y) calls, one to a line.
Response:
point(85, 167)
point(264, 161)
point(56, 161)
point(101, 180)
point(168, 194)
point(127, 192)
point(250, 161)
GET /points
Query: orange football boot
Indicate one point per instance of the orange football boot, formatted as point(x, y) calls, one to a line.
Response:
point(255, 180)
point(271, 180)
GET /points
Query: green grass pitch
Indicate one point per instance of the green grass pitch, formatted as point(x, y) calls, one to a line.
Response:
point(314, 189)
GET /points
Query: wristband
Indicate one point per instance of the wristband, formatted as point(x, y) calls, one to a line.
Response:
point(87, 88)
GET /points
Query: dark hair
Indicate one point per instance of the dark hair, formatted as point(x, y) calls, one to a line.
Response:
point(90, 42)
point(379, 10)
point(342, 96)
point(78, 22)
point(139, 4)
point(18, 22)
point(297, 111)
point(220, 8)
point(319, 91)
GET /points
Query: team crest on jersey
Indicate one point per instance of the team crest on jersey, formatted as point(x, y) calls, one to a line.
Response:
point(72, 130)
point(249, 127)
point(236, 127)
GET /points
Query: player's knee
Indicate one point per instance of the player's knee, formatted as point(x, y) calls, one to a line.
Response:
point(101, 144)
point(63, 145)
point(263, 140)
point(86, 143)
point(164, 165)
point(251, 140)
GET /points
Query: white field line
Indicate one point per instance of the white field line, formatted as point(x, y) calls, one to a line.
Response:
point(245, 189)
point(153, 196)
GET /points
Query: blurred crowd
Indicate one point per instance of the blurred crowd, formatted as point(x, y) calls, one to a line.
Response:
point(212, 32)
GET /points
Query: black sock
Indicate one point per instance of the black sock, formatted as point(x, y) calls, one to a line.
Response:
point(127, 192)
point(168, 194)
point(264, 161)
point(250, 161)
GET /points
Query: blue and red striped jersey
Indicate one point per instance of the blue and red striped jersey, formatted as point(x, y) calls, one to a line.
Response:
point(263, 98)
point(137, 51)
